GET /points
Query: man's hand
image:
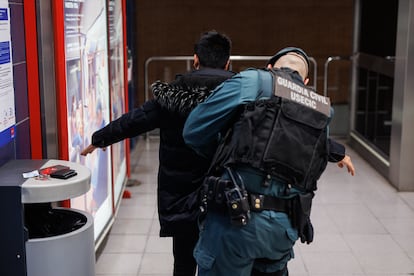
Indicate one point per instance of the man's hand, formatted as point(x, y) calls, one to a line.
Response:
point(348, 163)
point(89, 149)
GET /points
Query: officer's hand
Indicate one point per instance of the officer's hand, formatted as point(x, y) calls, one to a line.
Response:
point(348, 163)
point(88, 149)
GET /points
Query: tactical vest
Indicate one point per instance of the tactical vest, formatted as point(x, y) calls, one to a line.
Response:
point(284, 136)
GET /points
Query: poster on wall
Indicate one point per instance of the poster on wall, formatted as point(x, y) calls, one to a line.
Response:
point(117, 89)
point(7, 109)
point(87, 97)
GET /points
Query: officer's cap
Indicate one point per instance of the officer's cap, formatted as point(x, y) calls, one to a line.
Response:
point(286, 50)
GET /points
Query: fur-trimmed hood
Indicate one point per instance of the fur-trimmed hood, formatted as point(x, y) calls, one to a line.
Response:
point(177, 98)
point(189, 89)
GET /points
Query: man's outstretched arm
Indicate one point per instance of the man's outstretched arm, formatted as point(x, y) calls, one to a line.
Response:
point(347, 162)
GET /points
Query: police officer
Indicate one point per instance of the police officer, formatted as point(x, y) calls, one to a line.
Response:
point(260, 186)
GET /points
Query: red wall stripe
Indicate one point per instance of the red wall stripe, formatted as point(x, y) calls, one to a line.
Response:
point(60, 75)
point(124, 24)
point(60, 71)
point(32, 64)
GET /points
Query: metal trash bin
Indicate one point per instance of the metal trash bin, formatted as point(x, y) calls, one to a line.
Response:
point(42, 240)
point(61, 242)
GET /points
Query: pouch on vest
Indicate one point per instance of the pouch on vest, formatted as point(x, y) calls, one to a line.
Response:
point(298, 148)
point(284, 137)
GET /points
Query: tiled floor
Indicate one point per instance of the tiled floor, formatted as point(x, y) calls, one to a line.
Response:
point(363, 226)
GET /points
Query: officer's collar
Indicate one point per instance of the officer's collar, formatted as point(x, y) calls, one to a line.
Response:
point(295, 74)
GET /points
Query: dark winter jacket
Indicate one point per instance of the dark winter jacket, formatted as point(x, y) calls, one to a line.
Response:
point(181, 170)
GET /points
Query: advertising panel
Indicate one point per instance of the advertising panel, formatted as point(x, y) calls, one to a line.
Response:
point(117, 89)
point(87, 99)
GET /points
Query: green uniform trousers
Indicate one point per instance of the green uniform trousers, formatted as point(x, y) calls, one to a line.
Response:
point(224, 249)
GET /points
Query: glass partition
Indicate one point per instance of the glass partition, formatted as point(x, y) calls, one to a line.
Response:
point(373, 114)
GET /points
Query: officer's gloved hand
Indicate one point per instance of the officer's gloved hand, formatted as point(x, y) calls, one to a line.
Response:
point(306, 235)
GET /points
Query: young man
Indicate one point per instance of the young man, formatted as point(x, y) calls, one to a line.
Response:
point(264, 172)
point(181, 170)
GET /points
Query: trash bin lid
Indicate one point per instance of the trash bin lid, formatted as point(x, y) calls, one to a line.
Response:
point(38, 190)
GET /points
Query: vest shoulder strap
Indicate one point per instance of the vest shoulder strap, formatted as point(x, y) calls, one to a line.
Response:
point(266, 80)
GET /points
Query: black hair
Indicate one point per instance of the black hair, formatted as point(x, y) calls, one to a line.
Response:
point(213, 49)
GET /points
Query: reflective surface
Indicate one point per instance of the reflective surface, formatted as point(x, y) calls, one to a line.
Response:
point(374, 96)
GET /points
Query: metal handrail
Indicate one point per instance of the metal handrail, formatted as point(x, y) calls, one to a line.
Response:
point(383, 65)
point(188, 60)
point(325, 76)
point(165, 58)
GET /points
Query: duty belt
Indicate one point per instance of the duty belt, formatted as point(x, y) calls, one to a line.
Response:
point(264, 202)
point(215, 189)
